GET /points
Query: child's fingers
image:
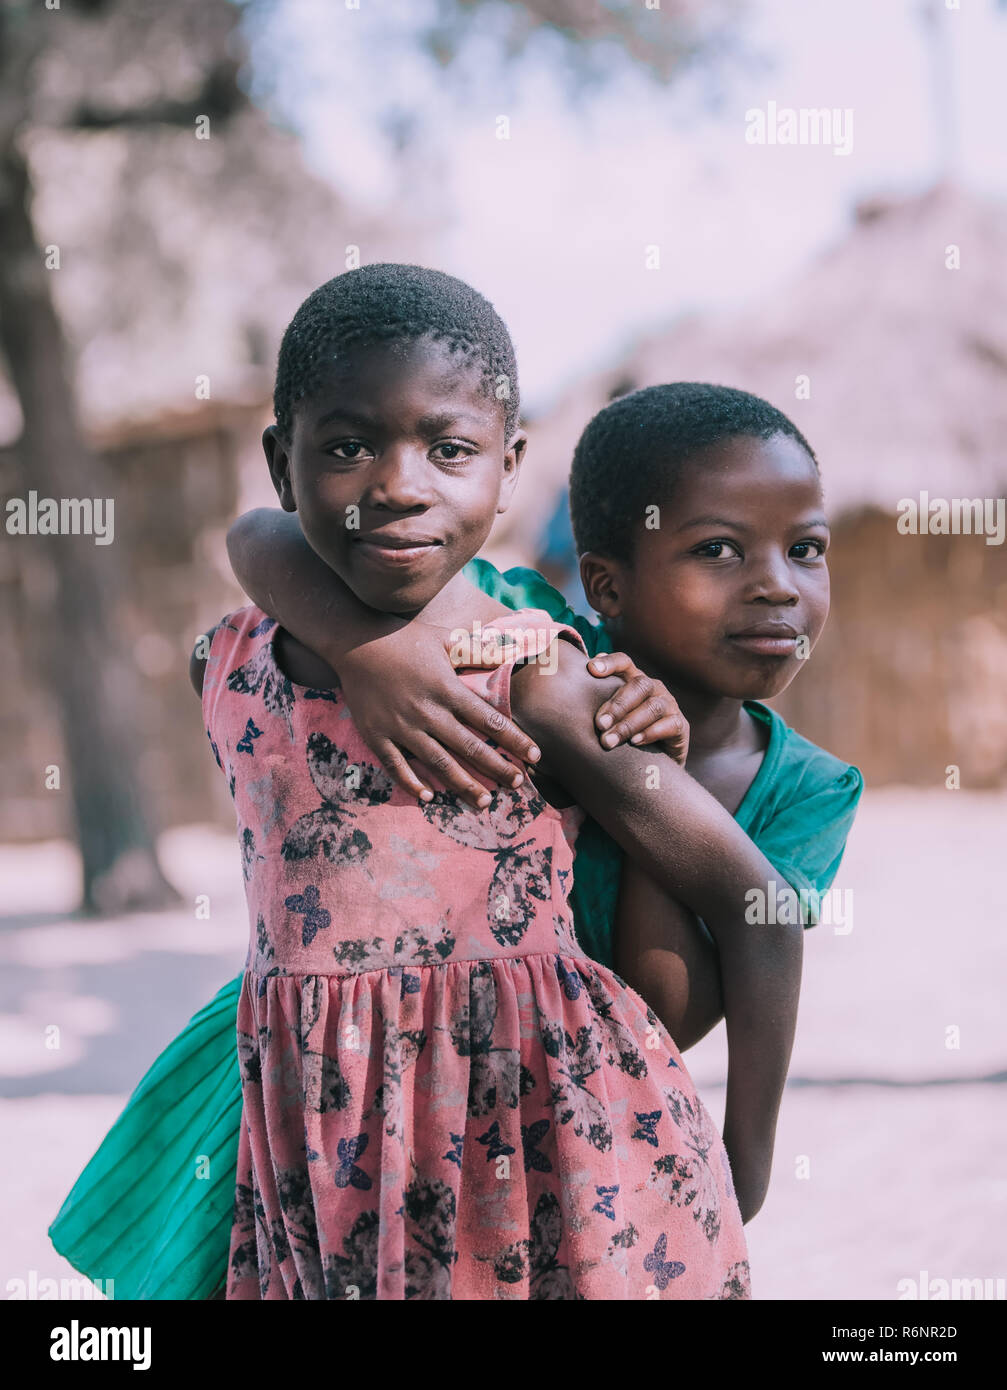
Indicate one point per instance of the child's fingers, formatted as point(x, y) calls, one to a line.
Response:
point(438, 761)
point(489, 722)
point(475, 713)
point(672, 733)
point(638, 721)
point(399, 770)
point(457, 738)
point(637, 686)
point(670, 727)
point(642, 712)
point(639, 691)
point(611, 664)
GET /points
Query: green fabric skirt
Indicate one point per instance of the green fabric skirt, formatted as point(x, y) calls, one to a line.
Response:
point(152, 1210)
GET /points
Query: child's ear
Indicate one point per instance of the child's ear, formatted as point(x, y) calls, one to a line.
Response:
point(512, 468)
point(278, 459)
point(602, 581)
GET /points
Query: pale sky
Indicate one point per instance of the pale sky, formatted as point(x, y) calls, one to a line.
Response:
point(552, 223)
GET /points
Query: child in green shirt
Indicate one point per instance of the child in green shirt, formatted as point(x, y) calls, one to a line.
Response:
point(698, 517)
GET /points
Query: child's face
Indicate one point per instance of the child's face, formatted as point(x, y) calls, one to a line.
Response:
point(732, 592)
point(401, 444)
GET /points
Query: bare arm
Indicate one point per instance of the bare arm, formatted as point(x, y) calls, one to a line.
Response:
point(678, 834)
point(281, 573)
point(397, 676)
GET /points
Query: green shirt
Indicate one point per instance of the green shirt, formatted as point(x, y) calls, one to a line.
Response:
point(798, 810)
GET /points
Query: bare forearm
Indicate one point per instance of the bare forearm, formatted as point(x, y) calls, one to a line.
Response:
point(680, 836)
point(761, 1023)
point(760, 976)
point(283, 576)
point(668, 956)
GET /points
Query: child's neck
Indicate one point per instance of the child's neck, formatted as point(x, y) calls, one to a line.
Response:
point(716, 723)
point(726, 745)
point(459, 604)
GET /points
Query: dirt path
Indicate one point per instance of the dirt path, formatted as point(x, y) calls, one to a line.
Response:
point(890, 1156)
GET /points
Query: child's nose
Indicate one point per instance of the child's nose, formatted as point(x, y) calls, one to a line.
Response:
point(400, 478)
point(773, 581)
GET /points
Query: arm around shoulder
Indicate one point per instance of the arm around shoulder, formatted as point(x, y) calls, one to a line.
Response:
point(659, 815)
point(685, 840)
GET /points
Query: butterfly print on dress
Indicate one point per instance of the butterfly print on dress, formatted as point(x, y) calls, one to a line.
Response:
point(402, 1047)
point(496, 1076)
point(430, 1212)
point(531, 1137)
point(249, 857)
point(606, 1196)
point(495, 1146)
point(522, 874)
point(261, 675)
point(325, 1087)
point(348, 1174)
point(573, 1102)
point(293, 1189)
point(324, 830)
point(413, 946)
point(686, 1178)
point(663, 1270)
point(619, 1046)
point(308, 904)
point(737, 1283)
point(619, 1247)
point(647, 1123)
point(246, 744)
point(354, 1274)
point(537, 1257)
point(244, 1263)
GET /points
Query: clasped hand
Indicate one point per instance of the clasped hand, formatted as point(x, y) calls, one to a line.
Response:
point(409, 702)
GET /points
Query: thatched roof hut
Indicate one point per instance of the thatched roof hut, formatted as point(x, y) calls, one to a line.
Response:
point(906, 360)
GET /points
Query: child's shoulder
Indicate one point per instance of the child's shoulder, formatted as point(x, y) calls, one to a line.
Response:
point(801, 806)
point(797, 768)
point(243, 625)
point(232, 634)
point(523, 588)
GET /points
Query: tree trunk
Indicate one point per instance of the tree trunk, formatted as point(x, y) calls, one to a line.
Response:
point(78, 639)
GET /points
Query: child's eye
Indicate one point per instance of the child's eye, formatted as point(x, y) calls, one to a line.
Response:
point(816, 548)
point(717, 550)
point(451, 452)
point(349, 449)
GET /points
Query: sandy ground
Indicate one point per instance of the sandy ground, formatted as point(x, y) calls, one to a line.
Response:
point(891, 1152)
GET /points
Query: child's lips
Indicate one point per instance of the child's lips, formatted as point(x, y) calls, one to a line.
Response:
point(767, 639)
point(395, 551)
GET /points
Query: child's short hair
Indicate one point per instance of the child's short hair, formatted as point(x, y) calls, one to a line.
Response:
point(634, 451)
point(392, 303)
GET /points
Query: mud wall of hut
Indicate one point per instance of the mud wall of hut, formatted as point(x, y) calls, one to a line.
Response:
point(174, 498)
point(910, 676)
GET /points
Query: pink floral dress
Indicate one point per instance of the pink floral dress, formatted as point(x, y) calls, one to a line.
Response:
point(443, 1096)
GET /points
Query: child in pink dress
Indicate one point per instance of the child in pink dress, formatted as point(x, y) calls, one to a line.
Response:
point(443, 1096)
